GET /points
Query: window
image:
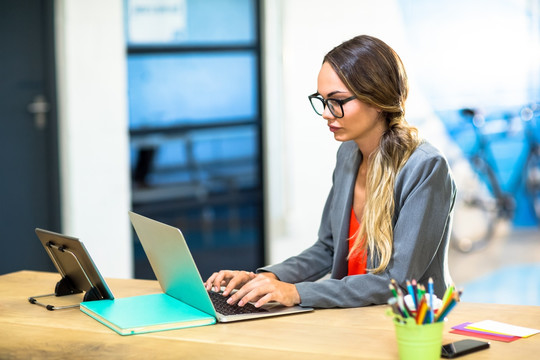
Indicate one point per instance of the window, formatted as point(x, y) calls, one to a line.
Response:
point(195, 126)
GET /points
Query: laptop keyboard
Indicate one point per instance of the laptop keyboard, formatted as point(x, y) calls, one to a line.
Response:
point(221, 306)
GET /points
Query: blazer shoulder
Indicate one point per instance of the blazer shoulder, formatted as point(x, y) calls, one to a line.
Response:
point(427, 155)
point(426, 162)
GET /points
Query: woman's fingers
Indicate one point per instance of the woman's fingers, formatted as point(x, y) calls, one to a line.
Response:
point(259, 289)
point(210, 281)
point(265, 299)
point(263, 289)
point(230, 279)
point(239, 279)
point(215, 281)
point(242, 293)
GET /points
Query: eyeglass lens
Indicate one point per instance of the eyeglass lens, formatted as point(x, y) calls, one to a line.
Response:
point(334, 107)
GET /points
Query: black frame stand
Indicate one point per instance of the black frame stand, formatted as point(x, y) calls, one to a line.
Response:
point(65, 285)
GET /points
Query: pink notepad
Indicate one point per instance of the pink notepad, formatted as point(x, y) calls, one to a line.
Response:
point(462, 330)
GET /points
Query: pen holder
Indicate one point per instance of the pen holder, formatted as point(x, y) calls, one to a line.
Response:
point(419, 341)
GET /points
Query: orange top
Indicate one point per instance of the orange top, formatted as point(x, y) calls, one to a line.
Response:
point(357, 260)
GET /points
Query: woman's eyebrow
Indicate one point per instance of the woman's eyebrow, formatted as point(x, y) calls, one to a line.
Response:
point(336, 92)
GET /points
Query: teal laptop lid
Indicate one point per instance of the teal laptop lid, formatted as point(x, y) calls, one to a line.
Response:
point(178, 275)
point(172, 262)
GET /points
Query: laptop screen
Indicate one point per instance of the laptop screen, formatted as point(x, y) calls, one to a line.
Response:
point(172, 262)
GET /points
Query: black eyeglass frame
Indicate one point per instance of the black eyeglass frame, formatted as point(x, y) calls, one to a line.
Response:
point(325, 103)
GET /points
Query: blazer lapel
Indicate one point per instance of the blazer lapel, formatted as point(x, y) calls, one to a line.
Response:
point(343, 195)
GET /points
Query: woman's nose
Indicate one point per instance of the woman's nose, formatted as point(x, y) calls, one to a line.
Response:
point(327, 114)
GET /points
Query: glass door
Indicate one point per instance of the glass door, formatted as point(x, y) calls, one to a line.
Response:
point(195, 127)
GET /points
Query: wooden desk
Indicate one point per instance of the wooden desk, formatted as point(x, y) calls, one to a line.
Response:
point(31, 331)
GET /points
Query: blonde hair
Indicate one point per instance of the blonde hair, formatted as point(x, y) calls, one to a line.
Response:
point(375, 74)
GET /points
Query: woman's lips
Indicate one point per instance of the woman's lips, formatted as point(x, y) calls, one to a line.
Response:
point(333, 128)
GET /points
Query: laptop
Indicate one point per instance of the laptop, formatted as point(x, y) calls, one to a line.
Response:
point(178, 276)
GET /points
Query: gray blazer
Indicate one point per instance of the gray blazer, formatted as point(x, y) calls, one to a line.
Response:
point(424, 202)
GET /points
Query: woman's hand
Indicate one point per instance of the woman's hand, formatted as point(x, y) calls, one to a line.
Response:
point(228, 278)
point(263, 288)
point(260, 288)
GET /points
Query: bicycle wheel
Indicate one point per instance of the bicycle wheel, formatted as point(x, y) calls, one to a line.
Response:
point(532, 178)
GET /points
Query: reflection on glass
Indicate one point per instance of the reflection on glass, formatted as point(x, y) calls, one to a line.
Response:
point(193, 82)
point(190, 22)
point(227, 156)
point(190, 88)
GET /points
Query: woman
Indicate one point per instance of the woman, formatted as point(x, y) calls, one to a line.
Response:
point(389, 212)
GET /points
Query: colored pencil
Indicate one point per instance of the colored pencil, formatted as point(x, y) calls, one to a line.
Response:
point(393, 302)
point(425, 312)
point(431, 309)
point(421, 313)
point(447, 293)
point(401, 303)
point(421, 291)
point(393, 290)
point(413, 295)
point(442, 314)
point(448, 299)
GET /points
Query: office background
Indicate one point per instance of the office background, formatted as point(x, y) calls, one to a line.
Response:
point(458, 55)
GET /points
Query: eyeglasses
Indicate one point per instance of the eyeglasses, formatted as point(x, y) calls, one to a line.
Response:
point(334, 105)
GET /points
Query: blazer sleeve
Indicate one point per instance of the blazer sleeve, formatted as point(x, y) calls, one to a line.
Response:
point(424, 198)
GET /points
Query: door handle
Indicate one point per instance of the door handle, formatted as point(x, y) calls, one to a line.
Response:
point(39, 107)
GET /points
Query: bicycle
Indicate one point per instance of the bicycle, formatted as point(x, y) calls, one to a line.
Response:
point(531, 116)
point(485, 211)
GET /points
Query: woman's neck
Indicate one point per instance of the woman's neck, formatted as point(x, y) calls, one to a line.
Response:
point(368, 147)
point(369, 143)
